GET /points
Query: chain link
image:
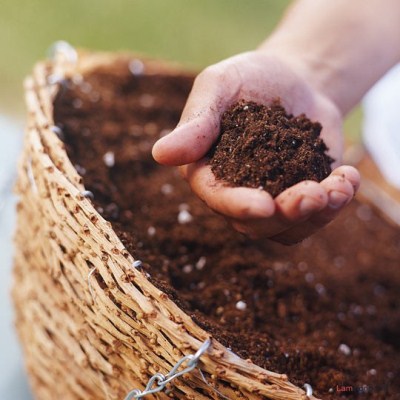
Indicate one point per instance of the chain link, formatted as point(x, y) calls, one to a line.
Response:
point(158, 382)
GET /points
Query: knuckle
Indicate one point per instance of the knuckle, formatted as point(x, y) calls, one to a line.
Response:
point(213, 72)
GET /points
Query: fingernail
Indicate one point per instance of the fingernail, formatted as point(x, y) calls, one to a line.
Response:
point(307, 206)
point(337, 199)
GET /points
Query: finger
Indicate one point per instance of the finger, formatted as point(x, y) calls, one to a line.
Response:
point(294, 205)
point(341, 187)
point(300, 201)
point(234, 202)
point(213, 91)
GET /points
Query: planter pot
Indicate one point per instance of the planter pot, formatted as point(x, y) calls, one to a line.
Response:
point(86, 340)
point(94, 315)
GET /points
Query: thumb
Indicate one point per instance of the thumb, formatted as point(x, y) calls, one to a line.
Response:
point(213, 91)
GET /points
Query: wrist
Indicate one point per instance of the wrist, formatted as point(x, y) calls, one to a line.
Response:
point(322, 75)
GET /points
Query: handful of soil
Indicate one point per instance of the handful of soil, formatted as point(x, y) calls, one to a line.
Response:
point(264, 147)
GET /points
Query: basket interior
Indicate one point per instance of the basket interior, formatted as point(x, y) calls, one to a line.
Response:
point(325, 312)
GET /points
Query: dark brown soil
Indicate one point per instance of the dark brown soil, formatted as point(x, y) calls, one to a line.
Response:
point(264, 147)
point(325, 312)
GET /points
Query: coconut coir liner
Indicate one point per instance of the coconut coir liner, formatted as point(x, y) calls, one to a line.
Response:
point(325, 312)
point(264, 147)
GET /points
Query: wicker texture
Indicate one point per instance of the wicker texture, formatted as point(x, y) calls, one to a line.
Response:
point(81, 347)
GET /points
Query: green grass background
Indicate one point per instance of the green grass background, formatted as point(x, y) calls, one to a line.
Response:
point(193, 32)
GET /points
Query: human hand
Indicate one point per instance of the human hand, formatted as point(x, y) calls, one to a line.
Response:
point(261, 77)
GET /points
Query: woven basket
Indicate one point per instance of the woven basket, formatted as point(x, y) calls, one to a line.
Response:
point(86, 341)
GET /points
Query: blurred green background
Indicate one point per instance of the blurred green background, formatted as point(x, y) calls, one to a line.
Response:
point(195, 33)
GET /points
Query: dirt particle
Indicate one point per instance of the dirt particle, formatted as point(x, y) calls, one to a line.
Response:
point(109, 159)
point(344, 349)
point(184, 217)
point(241, 305)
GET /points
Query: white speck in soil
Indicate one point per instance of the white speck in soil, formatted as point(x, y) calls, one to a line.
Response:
point(94, 97)
point(136, 67)
point(339, 262)
point(57, 130)
point(109, 159)
point(77, 103)
point(88, 194)
point(341, 316)
point(184, 217)
point(151, 231)
point(187, 269)
point(137, 264)
point(85, 87)
point(86, 132)
point(379, 290)
point(145, 146)
point(279, 266)
point(241, 305)
point(167, 189)
point(320, 288)
point(151, 128)
point(364, 212)
point(302, 266)
point(245, 108)
point(146, 100)
point(219, 310)
point(80, 170)
point(112, 211)
point(372, 372)
point(136, 131)
point(309, 277)
point(356, 309)
point(344, 349)
point(201, 263)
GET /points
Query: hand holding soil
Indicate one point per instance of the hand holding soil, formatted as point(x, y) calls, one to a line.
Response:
point(261, 77)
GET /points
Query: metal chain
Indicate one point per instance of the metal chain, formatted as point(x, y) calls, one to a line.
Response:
point(158, 382)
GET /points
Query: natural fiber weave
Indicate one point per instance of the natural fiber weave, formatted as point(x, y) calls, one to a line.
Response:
point(79, 347)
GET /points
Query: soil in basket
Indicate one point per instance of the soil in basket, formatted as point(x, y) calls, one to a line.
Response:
point(325, 312)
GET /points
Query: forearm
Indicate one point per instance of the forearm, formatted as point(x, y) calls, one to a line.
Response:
point(342, 47)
